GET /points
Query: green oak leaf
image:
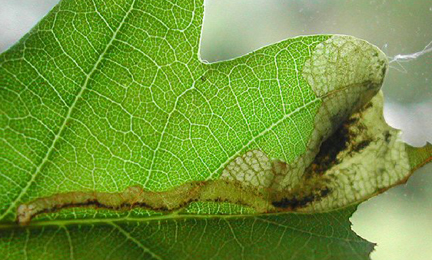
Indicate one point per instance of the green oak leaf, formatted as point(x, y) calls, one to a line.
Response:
point(120, 143)
point(287, 236)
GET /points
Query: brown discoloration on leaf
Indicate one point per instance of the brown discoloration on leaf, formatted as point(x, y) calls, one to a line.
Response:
point(343, 142)
point(327, 155)
point(335, 178)
point(295, 202)
point(179, 198)
point(135, 197)
point(361, 145)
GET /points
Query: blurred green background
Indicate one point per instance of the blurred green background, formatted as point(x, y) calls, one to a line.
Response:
point(400, 220)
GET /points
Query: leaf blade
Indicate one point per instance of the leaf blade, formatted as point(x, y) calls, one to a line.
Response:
point(101, 96)
point(295, 236)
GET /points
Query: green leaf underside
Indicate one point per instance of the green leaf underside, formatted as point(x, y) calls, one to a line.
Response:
point(288, 236)
point(115, 111)
point(418, 157)
point(104, 95)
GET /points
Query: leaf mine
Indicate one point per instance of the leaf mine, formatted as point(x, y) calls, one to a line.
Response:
point(134, 197)
point(340, 175)
point(335, 171)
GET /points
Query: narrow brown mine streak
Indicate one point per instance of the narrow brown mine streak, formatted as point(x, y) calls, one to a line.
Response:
point(167, 201)
point(135, 196)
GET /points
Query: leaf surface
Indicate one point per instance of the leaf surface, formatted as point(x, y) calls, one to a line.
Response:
point(107, 109)
point(291, 236)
